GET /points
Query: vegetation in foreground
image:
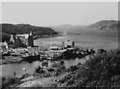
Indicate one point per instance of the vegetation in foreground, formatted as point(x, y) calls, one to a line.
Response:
point(100, 71)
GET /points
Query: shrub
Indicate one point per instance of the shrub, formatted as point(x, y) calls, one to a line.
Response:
point(101, 70)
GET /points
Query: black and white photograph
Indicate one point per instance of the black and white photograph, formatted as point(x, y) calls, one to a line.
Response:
point(59, 45)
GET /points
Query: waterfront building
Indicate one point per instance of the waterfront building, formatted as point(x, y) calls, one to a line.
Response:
point(30, 40)
point(12, 39)
point(68, 44)
point(21, 40)
point(4, 46)
point(11, 42)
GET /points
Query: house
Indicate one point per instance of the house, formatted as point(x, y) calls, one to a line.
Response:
point(3, 47)
point(26, 39)
point(30, 40)
point(21, 40)
point(68, 44)
point(15, 42)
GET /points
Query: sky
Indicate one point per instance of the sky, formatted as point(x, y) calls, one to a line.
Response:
point(58, 13)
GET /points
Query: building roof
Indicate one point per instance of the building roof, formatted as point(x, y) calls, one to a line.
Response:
point(53, 47)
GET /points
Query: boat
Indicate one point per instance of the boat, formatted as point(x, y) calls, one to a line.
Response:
point(5, 54)
point(31, 58)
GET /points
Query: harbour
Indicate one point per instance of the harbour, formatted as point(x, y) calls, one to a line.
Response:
point(59, 45)
point(30, 66)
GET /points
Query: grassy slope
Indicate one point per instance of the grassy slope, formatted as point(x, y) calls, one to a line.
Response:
point(100, 71)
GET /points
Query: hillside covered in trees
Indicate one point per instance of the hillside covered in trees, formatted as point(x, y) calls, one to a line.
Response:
point(8, 29)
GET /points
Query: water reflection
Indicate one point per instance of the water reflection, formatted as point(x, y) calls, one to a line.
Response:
point(10, 69)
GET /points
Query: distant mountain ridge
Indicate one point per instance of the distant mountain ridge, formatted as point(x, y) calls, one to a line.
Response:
point(38, 31)
point(105, 24)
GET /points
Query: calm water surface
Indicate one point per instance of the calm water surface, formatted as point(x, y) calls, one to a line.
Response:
point(89, 41)
point(9, 69)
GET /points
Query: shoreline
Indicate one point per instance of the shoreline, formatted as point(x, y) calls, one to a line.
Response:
point(58, 35)
point(59, 74)
point(18, 59)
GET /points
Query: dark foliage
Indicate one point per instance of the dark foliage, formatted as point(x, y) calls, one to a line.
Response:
point(100, 71)
point(8, 29)
point(10, 82)
point(5, 37)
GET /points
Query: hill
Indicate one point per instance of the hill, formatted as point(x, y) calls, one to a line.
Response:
point(99, 71)
point(8, 29)
point(105, 24)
